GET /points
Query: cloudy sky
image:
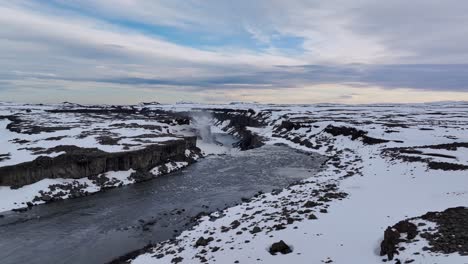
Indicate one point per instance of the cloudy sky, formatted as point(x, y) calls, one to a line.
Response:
point(272, 51)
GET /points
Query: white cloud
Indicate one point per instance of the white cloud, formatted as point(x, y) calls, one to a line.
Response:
point(337, 31)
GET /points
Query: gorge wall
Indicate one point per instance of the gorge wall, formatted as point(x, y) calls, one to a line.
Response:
point(239, 120)
point(85, 162)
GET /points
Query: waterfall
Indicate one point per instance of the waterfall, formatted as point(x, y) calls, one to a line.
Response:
point(202, 123)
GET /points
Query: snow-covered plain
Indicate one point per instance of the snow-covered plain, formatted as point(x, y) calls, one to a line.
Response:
point(382, 189)
point(110, 132)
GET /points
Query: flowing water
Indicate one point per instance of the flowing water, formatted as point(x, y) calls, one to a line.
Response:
point(101, 227)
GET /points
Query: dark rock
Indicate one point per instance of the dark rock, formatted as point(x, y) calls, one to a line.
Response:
point(107, 140)
point(203, 242)
point(280, 247)
point(354, 133)
point(449, 236)
point(235, 224)
point(407, 227)
point(310, 204)
point(177, 260)
point(214, 249)
point(82, 163)
point(20, 210)
point(312, 217)
point(256, 230)
point(389, 243)
point(4, 156)
point(446, 166)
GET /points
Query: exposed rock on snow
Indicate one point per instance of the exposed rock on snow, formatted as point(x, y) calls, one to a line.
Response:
point(202, 242)
point(280, 247)
point(434, 233)
point(393, 236)
point(354, 134)
point(448, 157)
point(451, 234)
point(4, 156)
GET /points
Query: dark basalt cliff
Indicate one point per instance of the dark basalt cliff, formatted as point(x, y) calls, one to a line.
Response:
point(239, 120)
point(81, 163)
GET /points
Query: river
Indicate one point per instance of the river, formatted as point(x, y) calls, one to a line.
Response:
point(101, 227)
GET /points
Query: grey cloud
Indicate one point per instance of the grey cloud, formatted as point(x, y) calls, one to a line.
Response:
point(437, 77)
point(429, 31)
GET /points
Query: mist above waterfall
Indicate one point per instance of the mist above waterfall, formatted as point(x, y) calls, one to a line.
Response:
point(211, 139)
point(202, 122)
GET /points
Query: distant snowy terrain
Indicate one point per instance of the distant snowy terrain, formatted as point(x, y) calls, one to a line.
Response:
point(387, 163)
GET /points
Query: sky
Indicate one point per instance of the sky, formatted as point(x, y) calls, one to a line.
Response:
point(219, 51)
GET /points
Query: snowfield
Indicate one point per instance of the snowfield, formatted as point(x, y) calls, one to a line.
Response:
point(18, 198)
point(38, 128)
point(381, 188)
point(386, 163)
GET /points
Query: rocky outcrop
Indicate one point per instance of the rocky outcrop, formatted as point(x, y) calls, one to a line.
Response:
point(354, 134)
point(417, 155)
point(248, 140)
point(80, 163)
point(393, 236)
point(19, 125)
point(239, 120)
point(449, 234)
point(279, 247)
